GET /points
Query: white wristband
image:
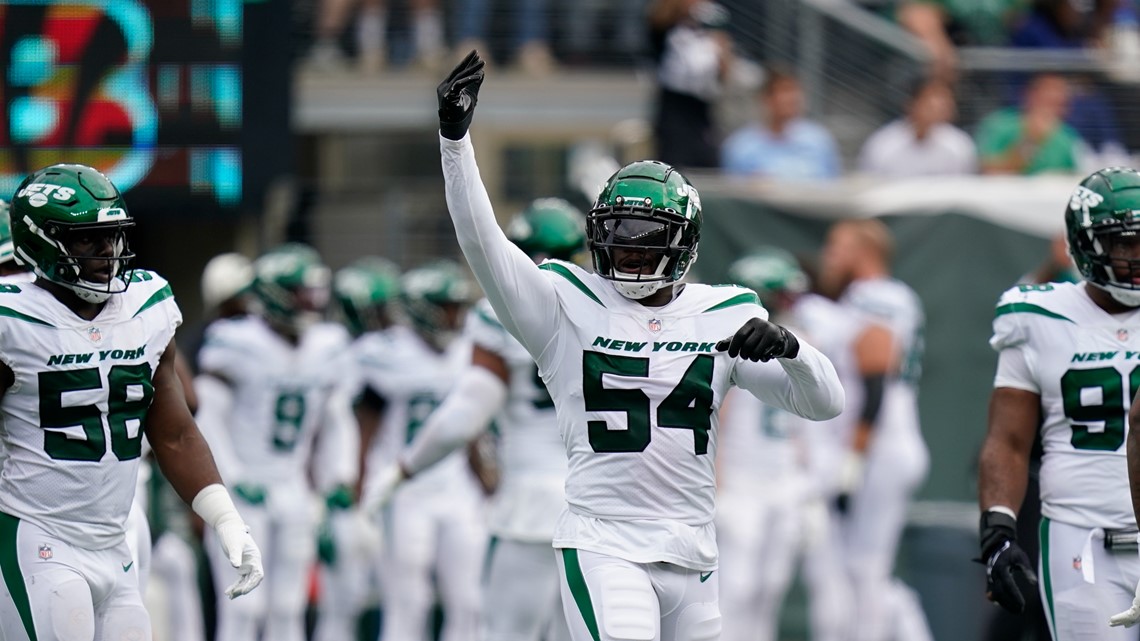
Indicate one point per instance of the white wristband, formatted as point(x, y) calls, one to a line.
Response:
point(1001, 509)
point(214, 505)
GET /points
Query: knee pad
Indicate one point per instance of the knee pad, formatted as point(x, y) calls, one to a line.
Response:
point(699, 622)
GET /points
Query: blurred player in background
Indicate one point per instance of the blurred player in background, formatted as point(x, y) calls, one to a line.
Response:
point(348, 547)
point(763, 491)
point(269, 382)
point(1066, 370)
point(637, 365)
point(521, 599)
point(95, 332)
point(887, 460)
point(434, 525)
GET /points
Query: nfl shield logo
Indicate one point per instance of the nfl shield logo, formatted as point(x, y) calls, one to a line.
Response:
point(94, 334)
point(45, 552)
point(654, 325)
point(1076, 562)
point(1122, 334)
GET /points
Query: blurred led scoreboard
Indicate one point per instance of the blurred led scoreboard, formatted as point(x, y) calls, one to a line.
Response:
point(148, 91)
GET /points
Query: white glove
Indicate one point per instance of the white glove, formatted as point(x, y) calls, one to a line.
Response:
point(243, 554)
point(379, 490)
point(1129, 617)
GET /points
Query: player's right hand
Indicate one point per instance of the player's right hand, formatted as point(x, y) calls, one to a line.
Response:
point(457, 95)
point(850, 480)
point(1129, 617)
point(378, 492)
point(243, 554)
point(760, 340)
point(1005, 560)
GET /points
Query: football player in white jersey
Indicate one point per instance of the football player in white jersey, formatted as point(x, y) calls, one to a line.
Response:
point(1066, 371)
point(268, 384)
point(521, 596)
point(888, 459)
point(637, 365)
point(347, 546)
point(88, 368)
point(763, 492)
point(435, 521)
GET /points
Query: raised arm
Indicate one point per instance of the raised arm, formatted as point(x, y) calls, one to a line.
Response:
point(523, 298)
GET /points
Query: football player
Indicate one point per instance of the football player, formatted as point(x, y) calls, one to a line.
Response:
point(762, 489)
point(268, 383)
point(887, 460)
point(435, 521)
point(364, 293)
point(521, 597)
point(88, 368)
point(637, 365)
point(1065, 371)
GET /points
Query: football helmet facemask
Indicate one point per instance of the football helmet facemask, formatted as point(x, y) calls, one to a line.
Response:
point(432, 298)
point(291, 286)
point(642, 232)
point(1101, 220)
point(59, 208)
point(549, 228)
point(363, 291)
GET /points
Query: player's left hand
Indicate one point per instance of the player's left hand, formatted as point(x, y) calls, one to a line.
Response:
point(1129, 617)
point(457, 96)
point(378, 492)
point(760, 340)
point(243, 554)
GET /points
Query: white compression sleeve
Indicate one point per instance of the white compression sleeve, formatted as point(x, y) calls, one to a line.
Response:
point(806, 385)
point(522, 296)
point(215, 402)
point(464, 414)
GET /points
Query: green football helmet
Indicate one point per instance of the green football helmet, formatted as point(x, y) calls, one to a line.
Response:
point(771, 273)
point(363, 291)
point(1102, 210)
point(549, 228)
point(433, 296)
point(647, 216)
point(62, 204)
point(291, 286)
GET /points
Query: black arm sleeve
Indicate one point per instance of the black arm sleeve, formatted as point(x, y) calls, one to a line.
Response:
point(872, 397)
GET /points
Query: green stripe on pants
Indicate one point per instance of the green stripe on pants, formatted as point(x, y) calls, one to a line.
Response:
point(581, 593)
point(1047, 583)
point(10, 568)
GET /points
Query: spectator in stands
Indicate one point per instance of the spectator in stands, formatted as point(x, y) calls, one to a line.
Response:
point(371, 34)
point(693, 52)
point(944, 25)
point(784, 145)
point(923, 142)
point(531, 41)
point(1033, 139)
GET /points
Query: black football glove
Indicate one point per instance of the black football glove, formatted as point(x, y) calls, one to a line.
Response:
point(1005, 560)
point(760, 340)
point(457, 96)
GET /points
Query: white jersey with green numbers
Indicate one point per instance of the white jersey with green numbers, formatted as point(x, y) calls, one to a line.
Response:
point(280, 392)
point(532, 457)
point(1085, 365)
point(636, 389)
point(73, 419)
point(413, 379)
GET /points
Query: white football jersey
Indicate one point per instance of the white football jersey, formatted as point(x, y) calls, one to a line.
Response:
point(413, 379)
point(891, 302)
point(532, 457)
point(1085, 365)
point(280, 392)
point(73, 419)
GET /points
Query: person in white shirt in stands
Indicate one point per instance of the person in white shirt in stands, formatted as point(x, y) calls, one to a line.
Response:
point(923, 142)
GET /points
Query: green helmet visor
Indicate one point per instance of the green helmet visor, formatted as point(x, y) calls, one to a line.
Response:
point(638, 243)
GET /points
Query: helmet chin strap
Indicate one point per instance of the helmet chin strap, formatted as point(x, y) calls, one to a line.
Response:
point(1129, 297)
